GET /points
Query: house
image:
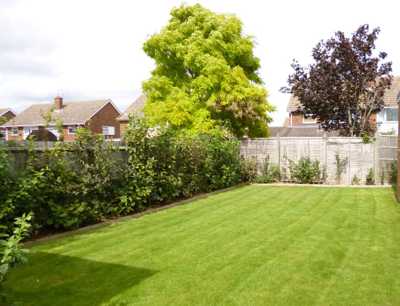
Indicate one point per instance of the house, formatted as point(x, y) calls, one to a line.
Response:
point(136, 108)
point(100, 116)
point(5, 115)
point(385, 121)
point(300, 131)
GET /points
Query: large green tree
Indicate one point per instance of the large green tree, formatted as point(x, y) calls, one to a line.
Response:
point(206, 75)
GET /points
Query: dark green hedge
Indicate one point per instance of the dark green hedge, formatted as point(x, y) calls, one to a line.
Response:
point(75, 184)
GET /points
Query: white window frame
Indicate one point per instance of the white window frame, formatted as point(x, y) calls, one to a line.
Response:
point(108, 130)
point(13, 132)
point(385, 114)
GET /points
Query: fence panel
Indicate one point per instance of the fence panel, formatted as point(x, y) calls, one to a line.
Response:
point(379, 155)
point(359, 157)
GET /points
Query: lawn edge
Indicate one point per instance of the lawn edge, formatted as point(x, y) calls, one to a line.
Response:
point(321, 185)
point(108, 222)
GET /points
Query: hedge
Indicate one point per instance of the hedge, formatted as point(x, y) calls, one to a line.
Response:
point(74, 184)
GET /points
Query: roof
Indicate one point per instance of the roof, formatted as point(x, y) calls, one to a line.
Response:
point(3, 111)
point(391, 97)
point(72, 113)
point(298, 132)
point(135, 108)
point(294, 104)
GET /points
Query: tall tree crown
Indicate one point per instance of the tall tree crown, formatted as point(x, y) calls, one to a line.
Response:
point(206, 75)
point(346, 83)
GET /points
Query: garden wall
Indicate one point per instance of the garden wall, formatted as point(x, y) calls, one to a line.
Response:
point(361, 157)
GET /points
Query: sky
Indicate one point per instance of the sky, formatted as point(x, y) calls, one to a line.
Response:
point(92, 49)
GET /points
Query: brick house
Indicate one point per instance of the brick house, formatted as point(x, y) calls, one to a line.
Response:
point(100, 116)
point(385, 121)
point(6, 114)
point(136, 108)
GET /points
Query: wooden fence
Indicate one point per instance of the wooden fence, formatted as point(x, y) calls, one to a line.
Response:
point(360, 158)
point(378, 155)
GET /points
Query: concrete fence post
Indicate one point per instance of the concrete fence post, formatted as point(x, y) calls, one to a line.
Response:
point(398, 155)
point(376, 160)
point(279, 152)
point(349, 163)
point(325, 138)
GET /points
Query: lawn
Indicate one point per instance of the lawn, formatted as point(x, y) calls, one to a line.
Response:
point(254, 245)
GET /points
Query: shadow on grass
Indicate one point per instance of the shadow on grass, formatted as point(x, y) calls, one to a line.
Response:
point(52, 279)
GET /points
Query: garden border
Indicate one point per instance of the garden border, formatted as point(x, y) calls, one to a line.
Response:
point(107, 222)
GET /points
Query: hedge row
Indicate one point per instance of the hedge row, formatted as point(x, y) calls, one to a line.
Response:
point(79, 183)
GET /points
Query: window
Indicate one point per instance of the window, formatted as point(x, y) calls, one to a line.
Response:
point(72, 130)
point(390, 114)
point(14, 131)
point(308, 119)
point(108, 130)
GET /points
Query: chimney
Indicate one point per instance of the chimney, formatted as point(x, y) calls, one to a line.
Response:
point(58, 102)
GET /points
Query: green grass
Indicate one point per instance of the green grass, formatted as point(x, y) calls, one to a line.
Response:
point(255, 245)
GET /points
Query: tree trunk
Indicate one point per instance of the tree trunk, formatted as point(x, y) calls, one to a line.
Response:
point(351, 128)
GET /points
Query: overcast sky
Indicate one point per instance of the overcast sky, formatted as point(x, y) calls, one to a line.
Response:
point(87, 49)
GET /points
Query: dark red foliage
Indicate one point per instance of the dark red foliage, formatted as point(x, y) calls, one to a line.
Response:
point(346, 83)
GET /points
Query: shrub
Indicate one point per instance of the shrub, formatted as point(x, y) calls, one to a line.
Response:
point(271, 172)
point(367, 138)
point(11, 253)
point(305, 171)
point(355, 180)
point(248, 170)
point(79, 183)
point(370, 179)
point(393, 173)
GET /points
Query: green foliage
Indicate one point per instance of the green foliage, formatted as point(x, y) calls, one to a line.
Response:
point(393, 173)
point(270, 174)
point(305, 171)
point(370, 179)
point(355, 180)
point(367, 138)
point(11, 253)
point(67, 186)
point(248, 170)
point(169, 166)
point(6, 176)
point(98, 174)
point(79, 183)
point(206, 76)
point(139, 175)
point(340, 167)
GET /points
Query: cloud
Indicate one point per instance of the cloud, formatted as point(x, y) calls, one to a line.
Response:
point(93, 49)
point(23, 52)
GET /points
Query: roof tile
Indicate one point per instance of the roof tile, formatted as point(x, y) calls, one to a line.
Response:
point(135, 108)
point(72, 113)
